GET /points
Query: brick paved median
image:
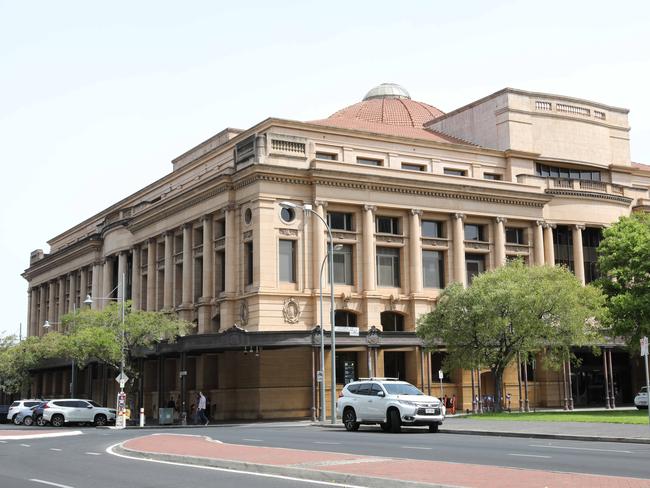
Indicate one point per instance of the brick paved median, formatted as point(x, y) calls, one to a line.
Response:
point(297, 461)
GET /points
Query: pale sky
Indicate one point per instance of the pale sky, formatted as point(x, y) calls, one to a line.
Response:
point(96, 98)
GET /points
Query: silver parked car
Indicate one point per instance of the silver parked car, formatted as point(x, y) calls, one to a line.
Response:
point(59, 412)
point(16, 406)
point(641, 399)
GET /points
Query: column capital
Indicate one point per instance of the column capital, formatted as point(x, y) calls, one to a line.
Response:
point(135, 247)
point(320, 203)
point(416, 211)
point(168, 233)
point(541, 223)
point(230, 206)
point(459, 216)
point(152, 240)
point(548, 225)
point(206, 218)
point(501, 220)
point(187, 225)
point(580, 226)
point(370, 208)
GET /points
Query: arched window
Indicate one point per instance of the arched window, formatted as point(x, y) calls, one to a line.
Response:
point(345, 318)
point(392, 322)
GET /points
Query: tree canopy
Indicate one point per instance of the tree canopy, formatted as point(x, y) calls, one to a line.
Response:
point(513, 309)
point(624, 263)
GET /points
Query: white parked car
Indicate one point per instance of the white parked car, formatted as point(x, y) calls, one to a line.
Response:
point(388, 402)
point(59, 412)
point(641, 399)
point(18, 405)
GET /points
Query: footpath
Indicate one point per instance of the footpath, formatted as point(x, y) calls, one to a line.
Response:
point(382, 472)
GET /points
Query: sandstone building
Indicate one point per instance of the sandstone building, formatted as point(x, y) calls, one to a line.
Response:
point(416, 198)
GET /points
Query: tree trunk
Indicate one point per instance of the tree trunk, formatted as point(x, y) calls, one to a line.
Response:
point(498, 381)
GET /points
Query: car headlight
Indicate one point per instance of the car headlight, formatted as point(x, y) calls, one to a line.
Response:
point(408, 403)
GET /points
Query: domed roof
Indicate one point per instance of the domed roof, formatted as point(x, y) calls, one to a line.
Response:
point(387, 90)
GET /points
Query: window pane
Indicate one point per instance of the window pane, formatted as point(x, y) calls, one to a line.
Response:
point(412, 167)
point(454, 172)
point(369, 162)
point(387, 225)
point(388, 266)
point(431, 228)
point(249, 263)
point(328, 156)
point(432, 269)
point(473, 232)
point(491, 176)
point(514, 235)
point(287, 272)
point(339, 220)
point(343, 265)
point(475, 264)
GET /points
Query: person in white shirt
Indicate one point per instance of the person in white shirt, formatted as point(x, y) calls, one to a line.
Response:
point(200, 410)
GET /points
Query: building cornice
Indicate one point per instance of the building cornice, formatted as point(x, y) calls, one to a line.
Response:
point(586, 195)
point(84, 247)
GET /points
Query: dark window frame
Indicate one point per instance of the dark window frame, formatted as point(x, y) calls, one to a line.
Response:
point(292, 262)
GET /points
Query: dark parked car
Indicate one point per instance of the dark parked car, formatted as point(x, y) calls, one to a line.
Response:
point(3, 413)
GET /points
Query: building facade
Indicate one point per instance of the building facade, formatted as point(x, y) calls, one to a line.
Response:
point(415, 198)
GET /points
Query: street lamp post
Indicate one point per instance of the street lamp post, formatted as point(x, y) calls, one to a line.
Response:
point(330, 255)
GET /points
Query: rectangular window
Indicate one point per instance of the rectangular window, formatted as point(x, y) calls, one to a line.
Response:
point(339, 220)
point(343, 265)
point(327, 156)
point(431, 228)
point(474, 232)
point(455, 172)
point(433, 269)
point(514, 235)
point(388, 269)
point(567, 173)
point(413, 167)
point(387, 225)
point(475, 265)
point(492, 176)
point(249, 262)
point(287, 261)
point(370, 161)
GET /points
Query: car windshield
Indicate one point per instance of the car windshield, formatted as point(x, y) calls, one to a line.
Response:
point(402, 389)
point(93, 403)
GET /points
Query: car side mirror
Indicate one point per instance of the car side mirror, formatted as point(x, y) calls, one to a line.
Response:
point(381, 394)
point(89, 406)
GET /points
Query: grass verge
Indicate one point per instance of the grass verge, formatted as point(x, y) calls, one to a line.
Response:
point(607, 416)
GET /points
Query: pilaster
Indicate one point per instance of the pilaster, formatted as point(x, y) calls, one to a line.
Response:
point(152, 274)
point(415, 251)
point(136, 278)
point(578, 257)
point(168, 293)
point(500, 241)
point(538, 242)
point(458, 246)
point(549, 250)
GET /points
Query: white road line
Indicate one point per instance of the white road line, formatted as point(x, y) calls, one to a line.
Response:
point(26, 445)
point(328, 443)
point(530, 455)
point(49, 483)
point(94, 453)
point(55, 449)
point(109, 450)
point(579, 448)
point(253, 440)
point(3, 442)
point(416, 447)
point(42, 435)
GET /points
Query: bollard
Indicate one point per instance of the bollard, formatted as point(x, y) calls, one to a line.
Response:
point(141, 417)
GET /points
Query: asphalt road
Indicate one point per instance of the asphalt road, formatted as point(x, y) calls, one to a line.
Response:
point(82, 461)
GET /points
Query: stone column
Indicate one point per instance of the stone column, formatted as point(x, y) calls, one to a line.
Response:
point(136, 279)
point(42, 315)
point(31, 317)
point(578, 258)
point(538, 243)
point(51, 312)
point(96, 290)
point(207, 290)
point(107, 282)
point(72, 298)
point(500, 242)
point(83, 285)
point(168, 295)
point(458, 247)
point(369, 266)
point(549, 250)
point(61, 297)
point(187, 297)
point(121, 275)
point(152, 274)
point(227, 307)
point(415, 251)
point(318, 243)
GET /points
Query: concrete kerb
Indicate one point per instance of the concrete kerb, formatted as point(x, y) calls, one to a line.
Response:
point(528, 435)
point(267, 469)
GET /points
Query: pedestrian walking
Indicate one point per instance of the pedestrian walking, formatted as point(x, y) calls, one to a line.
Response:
point(200, 409)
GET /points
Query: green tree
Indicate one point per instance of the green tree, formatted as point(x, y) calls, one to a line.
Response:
point(624, 263)
point(513, 309)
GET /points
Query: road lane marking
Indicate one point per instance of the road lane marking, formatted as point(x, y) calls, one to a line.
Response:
point(3, 442)
point(109, 450)
point(253, 440)
point(580, 448)
point(49, 483)
point(55, 449)
point(26, 445)
point(94, 453)
point(41, 435)
point(416, 447)
point(530, 455)
point(327, 443)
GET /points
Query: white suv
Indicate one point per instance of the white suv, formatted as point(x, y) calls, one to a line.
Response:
point(640, 400)
point(59, 412)
point(388, 402)
point(16, 406)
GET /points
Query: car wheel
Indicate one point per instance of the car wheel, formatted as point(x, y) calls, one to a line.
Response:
point(100, 420)
point(57, 420)
point(28, 421)
point(16, 420)
point(350, 420)
point(433, 427)
point(385, 426)
point(40, 421)
point(395, 421)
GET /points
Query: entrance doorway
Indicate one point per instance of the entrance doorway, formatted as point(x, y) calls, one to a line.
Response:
point(394, 365)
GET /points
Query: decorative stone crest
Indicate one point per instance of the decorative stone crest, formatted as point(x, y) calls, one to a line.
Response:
point(392, 302)
point(315, 336)
point(234, 336)
point(289, 232)
point(373, 338)
point(346, 300)
point(248, 234)
point(243, 313)
point(291, 311)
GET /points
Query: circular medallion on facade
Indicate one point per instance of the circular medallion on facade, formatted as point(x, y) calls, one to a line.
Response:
point(291, 311)
point(248, 216)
